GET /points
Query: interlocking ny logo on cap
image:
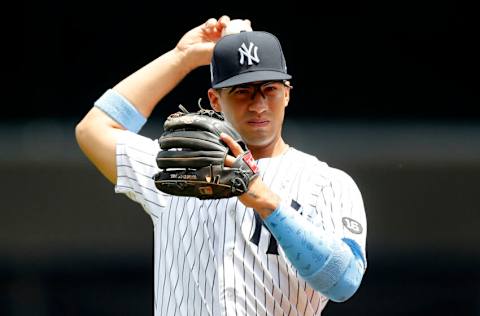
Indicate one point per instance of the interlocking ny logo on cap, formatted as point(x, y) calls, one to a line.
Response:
point(247, 53)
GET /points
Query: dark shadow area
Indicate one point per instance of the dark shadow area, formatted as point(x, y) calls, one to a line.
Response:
point(369, 60)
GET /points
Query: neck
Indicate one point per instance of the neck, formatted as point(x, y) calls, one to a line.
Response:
point(275, 149)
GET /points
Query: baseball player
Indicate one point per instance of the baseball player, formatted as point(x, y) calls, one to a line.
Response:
point(292, 242)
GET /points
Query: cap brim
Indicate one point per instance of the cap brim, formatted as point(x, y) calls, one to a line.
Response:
point(259, 75)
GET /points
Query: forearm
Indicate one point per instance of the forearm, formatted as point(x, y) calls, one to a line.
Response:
point(329, 264)
point(148, 85)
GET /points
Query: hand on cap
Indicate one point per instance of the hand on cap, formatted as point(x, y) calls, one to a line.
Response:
point(197, 44)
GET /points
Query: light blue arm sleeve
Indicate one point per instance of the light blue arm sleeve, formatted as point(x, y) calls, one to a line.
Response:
point(330, 265)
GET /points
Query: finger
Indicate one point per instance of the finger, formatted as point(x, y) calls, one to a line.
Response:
point(211, 22)
point(229, 160)
point(223, 21)
point(233, 145)
point(209, 26)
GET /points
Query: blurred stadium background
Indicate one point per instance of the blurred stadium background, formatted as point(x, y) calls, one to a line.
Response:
point(385, 91)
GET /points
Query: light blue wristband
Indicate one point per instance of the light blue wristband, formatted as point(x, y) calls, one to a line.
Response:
point(121, 110)
point(330, 265)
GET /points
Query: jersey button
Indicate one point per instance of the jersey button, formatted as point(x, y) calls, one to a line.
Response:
point(232, 212)
point(229, 293)
point(230, 252)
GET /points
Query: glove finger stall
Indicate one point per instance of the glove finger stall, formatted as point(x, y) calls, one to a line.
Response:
point(189, 159)
point(209, 121)
point(191, 139)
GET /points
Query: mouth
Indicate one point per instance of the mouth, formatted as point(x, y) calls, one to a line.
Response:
point(258, 122)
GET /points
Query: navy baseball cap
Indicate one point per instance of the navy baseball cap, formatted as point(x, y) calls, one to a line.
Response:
point(247, 57)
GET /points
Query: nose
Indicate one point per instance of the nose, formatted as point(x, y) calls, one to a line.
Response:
point(258, 104)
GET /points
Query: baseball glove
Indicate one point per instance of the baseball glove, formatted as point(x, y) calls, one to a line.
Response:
point(192, 158)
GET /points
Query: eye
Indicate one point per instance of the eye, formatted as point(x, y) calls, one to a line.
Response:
point(270, 88)
point(241, 91)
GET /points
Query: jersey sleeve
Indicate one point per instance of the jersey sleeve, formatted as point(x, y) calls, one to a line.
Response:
point(337, 206)
point(136, 165)
point(352, 212)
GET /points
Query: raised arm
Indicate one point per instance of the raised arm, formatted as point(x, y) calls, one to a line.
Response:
point(97, 132)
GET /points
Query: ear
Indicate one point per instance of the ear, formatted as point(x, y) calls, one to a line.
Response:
point(287, 94)
point(214, 97)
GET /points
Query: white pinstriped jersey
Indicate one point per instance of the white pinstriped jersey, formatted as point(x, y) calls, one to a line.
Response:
point(214, 257)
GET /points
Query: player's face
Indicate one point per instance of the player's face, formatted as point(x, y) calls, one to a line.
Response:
point(256, 110)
